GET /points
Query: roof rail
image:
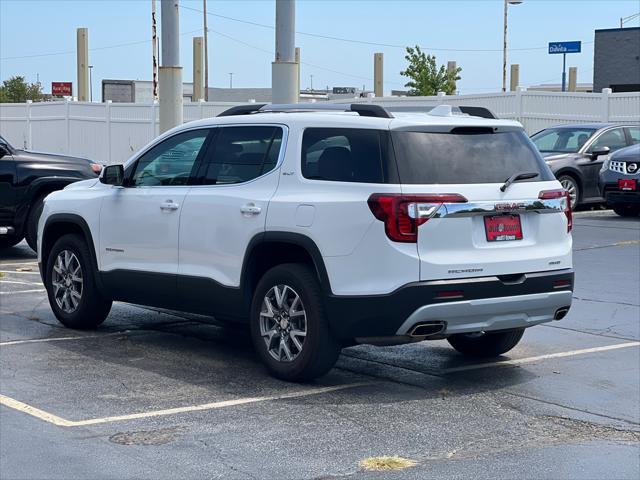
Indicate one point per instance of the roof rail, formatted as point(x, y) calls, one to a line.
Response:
point(362, 109)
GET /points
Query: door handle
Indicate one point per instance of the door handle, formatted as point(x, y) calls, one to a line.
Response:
point(169, 205)
point(250, 209)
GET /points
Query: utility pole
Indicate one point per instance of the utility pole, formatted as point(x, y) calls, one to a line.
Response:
point(154, 49)
point(284, 70)
point(378, 74)
point(504, 43)
point(297, 58)
point(198, 84)
point(514, 78)
point(230, 79)
point(170, 71)
point(573, 79)
point(91, 83)
point(83, 64)
point(311, 80)
point(206, 52)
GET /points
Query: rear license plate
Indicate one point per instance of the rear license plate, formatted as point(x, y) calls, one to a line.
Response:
point(502, 228)
point(628, 184)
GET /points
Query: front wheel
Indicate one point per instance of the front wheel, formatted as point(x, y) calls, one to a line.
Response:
point(288, 325)
point(571, 186)
point(70, 280)
point(488, 344)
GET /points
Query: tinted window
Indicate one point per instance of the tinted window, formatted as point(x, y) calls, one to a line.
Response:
point(243, 153)
point(344, 155)
point(565, 140)
point(171, 161)
point(614, 139)
point(465, 156)
point(635, 134)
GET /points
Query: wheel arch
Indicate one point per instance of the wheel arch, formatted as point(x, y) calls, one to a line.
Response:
point(575, 175)
point(60, 224)
point(268, 249)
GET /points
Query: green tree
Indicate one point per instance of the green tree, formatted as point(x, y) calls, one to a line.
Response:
point(425, 76)
point(18, 90)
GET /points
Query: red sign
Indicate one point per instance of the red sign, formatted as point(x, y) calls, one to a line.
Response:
point(503, 227)
point(61, 89)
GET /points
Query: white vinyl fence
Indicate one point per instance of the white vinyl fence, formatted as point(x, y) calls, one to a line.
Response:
point(112, 132)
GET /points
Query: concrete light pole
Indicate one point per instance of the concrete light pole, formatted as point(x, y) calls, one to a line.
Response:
point(504, 47)
point(170, 70)
point(378, 74)
point(198, 78)
point(83, 64)
point(284, 70)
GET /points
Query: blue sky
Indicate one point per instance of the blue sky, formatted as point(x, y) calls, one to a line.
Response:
point(39, 32)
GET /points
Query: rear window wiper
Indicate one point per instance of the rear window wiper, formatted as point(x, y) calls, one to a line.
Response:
point(516, 177)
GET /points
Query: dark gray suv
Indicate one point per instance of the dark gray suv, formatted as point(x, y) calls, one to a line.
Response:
point(575, 154)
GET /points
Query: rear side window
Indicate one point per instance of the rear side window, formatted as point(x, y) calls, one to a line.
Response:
point(345, 155)
point(241, 154)
point(465, 156)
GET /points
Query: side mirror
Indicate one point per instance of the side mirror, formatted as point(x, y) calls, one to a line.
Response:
point(4, 150)
point(600, 151)
point(112, 175)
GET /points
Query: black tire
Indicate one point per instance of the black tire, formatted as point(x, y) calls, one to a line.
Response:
point(92, 307)
point(490, 344)
point(319, 350)
point(31, 230)
point(8, 242)
point(568, 182)
point(627, 210)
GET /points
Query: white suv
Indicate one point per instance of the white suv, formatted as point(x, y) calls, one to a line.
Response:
point(322, 227)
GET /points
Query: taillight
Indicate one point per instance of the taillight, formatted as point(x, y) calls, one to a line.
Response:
point(551, 194)
point(403, 214)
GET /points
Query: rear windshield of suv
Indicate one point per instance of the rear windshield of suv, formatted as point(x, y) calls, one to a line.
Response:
point(465, 156)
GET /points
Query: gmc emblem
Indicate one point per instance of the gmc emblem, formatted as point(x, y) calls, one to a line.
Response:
point(503, 207)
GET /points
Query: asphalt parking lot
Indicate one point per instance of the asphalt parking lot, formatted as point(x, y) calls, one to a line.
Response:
point(164, 395)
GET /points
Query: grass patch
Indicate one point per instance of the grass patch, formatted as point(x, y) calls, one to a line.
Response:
point(379, 464)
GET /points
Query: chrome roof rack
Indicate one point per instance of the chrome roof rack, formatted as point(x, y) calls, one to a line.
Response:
point(362, 109)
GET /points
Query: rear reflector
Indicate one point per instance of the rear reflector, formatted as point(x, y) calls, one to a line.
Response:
point(553, 194)
point(403, 214)
point(450, 294)
point(561, 283)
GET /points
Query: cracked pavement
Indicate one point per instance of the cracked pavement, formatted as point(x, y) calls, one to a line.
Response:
point(543, 415)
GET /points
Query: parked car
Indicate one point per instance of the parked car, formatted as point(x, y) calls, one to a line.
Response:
point(620, 181)
point(575, 154)
point(26, 178)
point(322, 229)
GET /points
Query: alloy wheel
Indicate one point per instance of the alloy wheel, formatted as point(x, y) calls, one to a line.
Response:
point(67, 281)
point(283, 323)
point(571, 187)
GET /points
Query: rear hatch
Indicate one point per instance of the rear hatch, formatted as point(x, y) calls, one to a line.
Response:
point(468, 222)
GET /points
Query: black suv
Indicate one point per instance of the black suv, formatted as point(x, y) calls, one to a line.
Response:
point(25, 179)
point(620, 181)
point(575, 154)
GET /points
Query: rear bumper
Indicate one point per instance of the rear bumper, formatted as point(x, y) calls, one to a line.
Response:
point(483, 304)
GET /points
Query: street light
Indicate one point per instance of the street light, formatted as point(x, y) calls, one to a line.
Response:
point(504, 48)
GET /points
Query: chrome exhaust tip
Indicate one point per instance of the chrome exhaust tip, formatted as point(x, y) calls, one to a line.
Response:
point(428, 329)
point(561, 313)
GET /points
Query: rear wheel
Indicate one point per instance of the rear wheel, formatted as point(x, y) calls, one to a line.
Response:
point(70, 281)
point(32, 223)
point(8, 242)
point(489, 344)
point(571, 186)
point(627, 210)
point(288, 326)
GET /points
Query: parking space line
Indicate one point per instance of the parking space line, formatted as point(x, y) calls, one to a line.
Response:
point(59, 339)
point(18, 272)
point(20, 283)
point(10, 264)
point(23, 291)
point(50, 418)
point(520, 361)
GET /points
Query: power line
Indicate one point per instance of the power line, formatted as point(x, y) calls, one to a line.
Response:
point(366, 42)
point(106, 47)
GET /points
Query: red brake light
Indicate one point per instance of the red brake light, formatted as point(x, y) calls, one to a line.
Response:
point(552, 194)
point(96, 168)
point(403, 214)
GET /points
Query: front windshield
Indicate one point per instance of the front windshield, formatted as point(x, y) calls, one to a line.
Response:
point(562, 140)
